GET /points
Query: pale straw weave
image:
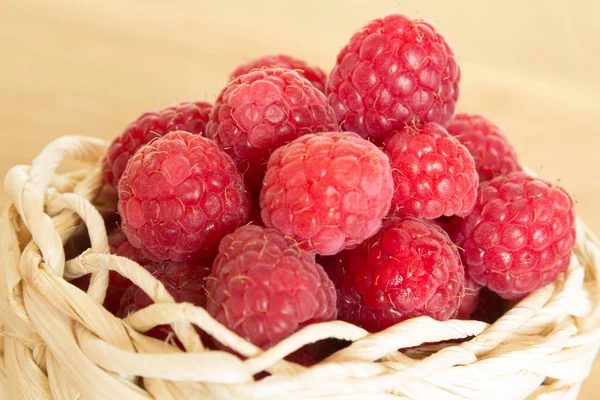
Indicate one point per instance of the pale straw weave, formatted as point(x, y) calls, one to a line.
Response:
point(58, 342)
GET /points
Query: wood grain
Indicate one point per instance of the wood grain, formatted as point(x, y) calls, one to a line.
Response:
point(89, 67)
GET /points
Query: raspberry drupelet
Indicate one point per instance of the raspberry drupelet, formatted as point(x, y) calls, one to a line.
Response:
point(264, 287)
point(179, 195)
point(189, 117)
point(262, 110)
point(394, 71)
point(410, 268)
point(519, 236)
point(329, 191)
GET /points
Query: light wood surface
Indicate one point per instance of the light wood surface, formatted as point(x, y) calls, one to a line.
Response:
point(90, 66)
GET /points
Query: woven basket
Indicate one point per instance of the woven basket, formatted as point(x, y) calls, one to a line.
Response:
point(59, 342)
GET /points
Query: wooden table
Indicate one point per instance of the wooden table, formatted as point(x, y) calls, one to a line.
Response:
point(90, 66)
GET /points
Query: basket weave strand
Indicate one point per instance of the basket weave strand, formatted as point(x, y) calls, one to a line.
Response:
point(58, 342)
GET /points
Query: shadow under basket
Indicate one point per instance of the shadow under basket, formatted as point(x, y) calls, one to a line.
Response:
point(58, 342)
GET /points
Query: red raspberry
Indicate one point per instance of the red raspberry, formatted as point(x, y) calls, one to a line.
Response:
point(255, 216)
point(302, 356)
point(314, 74)
point(489, 307)
point(395, 71)
point(120, 246)
point(519, 236)
point(263, 110)
point(410, 268)
point(442, 222)
point(433, 173)
point(189, 117)
point(470, 298)
point(183, 280)
point(493, 153)
point(322, 349)
point(264, 287)
point(80, 239)
point(117, 284)
point(328, 191)
point(179, 195)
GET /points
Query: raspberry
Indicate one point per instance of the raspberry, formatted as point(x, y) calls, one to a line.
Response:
point(329, 191)
point(470, 298)
point(493, 153)
point(313, 74)
point(179, 195)
point(255, 216)
point(410, 268)
point(183, 280)
point(301, 356)
point(322, 349)
point(489, 307)
point(189, 117)
point(117, 284)
point(433, 173)
point(394, 71)
point(263, 110)
point(443, 222)
point(264, 287)
point(519, 236)
point(120, 246)
point(80, 238)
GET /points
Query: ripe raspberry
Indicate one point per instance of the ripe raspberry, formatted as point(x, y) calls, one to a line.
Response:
point(470, 298)
point(183, 280)
point(489, 308)
point(301, 356)
point(263, 110)
point(314, 74)
point(80, 238)
point(189, 117)
point(120, 246)
point(117, 284)
point(519, 236)
point(395, 71)
point(255, 217)
point(433, 173)
point(410, 268)
point(322, 349)
point(264, 287)
point(443, 222)
point(329, 191)
point(179, 195)
point(490, 148)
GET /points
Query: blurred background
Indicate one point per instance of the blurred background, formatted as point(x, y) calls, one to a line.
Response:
point(89, 67)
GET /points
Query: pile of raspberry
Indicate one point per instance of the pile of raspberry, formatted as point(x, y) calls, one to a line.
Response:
point(299, 198)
